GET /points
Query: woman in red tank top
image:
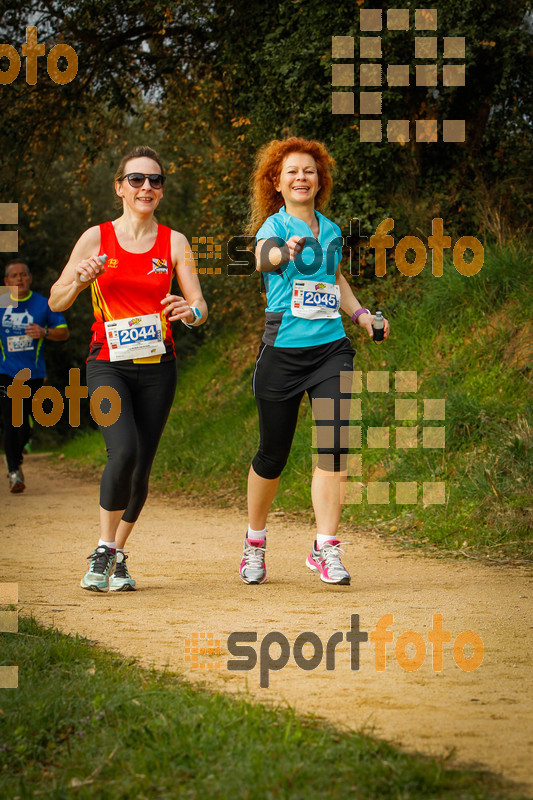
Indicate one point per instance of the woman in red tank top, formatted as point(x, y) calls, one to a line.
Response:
point(128, 263)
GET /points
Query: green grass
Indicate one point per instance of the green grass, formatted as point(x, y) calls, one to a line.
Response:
point(470, 342)
point(87, 724)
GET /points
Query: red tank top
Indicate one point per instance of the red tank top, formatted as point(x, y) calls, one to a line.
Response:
point(133, 284)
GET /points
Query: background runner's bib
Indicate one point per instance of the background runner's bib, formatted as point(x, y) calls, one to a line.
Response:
point(137, 337)
point(17, 343)
point(312, 300)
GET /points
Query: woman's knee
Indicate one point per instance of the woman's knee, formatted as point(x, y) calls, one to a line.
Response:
point(269, 467)
point(122, 456)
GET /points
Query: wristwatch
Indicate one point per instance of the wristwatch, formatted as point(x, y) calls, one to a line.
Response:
point(197, 317)
point(357, 314)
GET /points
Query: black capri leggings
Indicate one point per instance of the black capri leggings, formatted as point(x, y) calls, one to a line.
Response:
point(277, 423)
point(146, 392)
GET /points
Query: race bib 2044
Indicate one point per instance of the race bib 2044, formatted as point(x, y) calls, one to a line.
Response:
point(135, 337)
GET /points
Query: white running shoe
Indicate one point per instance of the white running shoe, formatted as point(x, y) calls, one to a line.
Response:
point(16, 481)
point(253, 569)
point(327, 562)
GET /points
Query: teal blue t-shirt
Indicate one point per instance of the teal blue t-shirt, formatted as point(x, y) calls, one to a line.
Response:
point(317, 262)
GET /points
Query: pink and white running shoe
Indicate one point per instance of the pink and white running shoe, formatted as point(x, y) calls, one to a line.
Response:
point(327, 562)
point(253, 569)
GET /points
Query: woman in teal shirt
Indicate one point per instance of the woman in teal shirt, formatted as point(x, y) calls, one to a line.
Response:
point(304, 347)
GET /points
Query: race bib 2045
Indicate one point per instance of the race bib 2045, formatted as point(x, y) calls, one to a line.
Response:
point(315, 300)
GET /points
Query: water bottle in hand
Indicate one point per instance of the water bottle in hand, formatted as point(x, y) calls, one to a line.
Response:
point(102, 259)
point(378, 327)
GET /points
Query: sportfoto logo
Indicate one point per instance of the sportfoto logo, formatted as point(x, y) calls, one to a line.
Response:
point(74, 391)
point(373, 75)
point(32, 51)
point(275, 649)
point(382, 241)
point(410, 254)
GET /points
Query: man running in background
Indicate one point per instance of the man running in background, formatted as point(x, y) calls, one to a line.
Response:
point(23, 328)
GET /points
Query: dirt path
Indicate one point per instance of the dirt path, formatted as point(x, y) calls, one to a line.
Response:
point(185, 561)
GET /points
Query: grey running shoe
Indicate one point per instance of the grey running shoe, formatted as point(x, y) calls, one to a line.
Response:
point(96, 579)
point(16, 481)
point(253, 569)
point(327, 562)
point(121, 580)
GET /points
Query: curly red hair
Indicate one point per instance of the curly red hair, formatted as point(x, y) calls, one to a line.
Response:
point(264, 199)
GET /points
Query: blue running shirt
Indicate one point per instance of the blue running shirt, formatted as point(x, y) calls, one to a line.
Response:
point(317, 262)
point(17, 349)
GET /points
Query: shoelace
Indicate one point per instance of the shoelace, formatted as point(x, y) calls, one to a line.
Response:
point(254, 556)
point(99, 562)
point(331, 554)
point(121, 570)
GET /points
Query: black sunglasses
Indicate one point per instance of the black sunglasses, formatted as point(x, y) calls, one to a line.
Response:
point(137, 179)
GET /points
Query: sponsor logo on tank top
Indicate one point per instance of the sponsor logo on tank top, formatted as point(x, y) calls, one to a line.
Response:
point(159, 266)
point(111, 263)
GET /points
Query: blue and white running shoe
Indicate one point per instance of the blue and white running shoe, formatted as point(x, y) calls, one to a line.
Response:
point(121, 580)
point(96, 579)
